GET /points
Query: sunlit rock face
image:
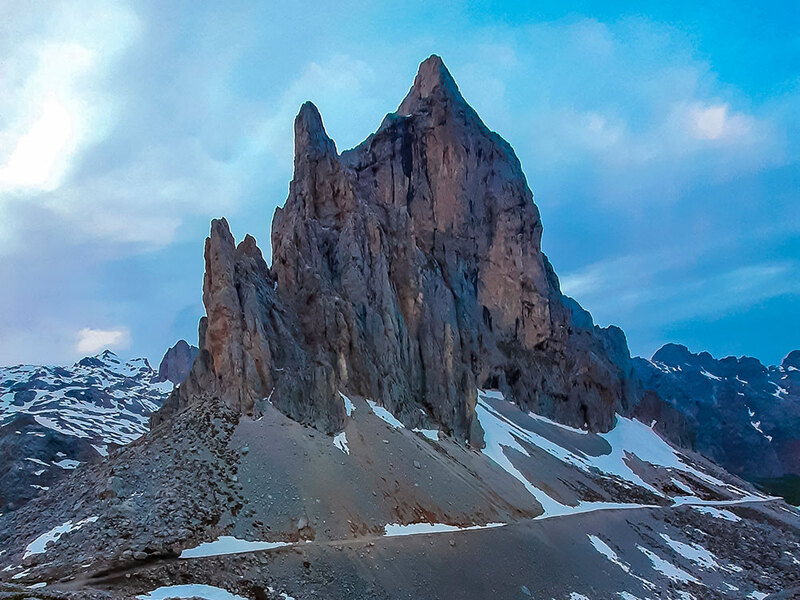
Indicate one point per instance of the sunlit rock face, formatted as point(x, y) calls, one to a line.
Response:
point(409, 270)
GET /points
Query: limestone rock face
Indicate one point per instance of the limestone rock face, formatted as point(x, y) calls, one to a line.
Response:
point(408, 270)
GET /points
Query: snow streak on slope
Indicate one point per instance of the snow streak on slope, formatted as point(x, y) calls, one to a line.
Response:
point(628, 440)
point(393, 529)
point(227, 544)
point(667, 569)
point(385, 415)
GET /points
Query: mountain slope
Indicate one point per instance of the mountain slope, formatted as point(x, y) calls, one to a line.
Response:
point(251, 505)
point(743, 415)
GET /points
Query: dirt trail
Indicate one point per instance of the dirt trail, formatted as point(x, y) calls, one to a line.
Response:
point(112, 578)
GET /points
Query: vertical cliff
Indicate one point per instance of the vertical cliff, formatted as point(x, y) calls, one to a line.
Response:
point(408, 270)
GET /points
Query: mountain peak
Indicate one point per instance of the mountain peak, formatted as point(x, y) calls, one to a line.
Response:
point(177, 362)
point(792, 360)
point(672, 354)
point(420, 246)
point(310, 138)
point(433, 83)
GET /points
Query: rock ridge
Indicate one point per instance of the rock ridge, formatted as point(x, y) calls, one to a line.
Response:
point(409, 270)
point(739, 413)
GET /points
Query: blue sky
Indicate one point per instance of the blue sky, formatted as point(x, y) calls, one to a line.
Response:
point(661, 144)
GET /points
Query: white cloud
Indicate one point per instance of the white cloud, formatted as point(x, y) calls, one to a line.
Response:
point(628, 107)
point(37, 161)
point(93, 340)
point(658, 288)
point(52, 102)
point(714, 122)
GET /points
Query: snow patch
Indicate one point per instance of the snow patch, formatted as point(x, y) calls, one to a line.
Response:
point(717, 513)
point(227, 544)
point(349, 407)
point(606, 551)
point(693, 501)
point(340, 441)
point(102, 450)
point(666, 568)
point(39, 545)
point(710, 375)
point(693, 552)
point(609, 553)
point(628, 438)
point(431, 434)
point(385, 415)
point(393, 529)
point(191, 590)
point(21, 574)
point(682, 486)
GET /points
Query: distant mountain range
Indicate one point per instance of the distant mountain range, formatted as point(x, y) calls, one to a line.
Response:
point(54, 418)
point(739, 413)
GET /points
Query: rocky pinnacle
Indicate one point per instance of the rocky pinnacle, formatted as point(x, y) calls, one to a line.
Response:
point(408, 270)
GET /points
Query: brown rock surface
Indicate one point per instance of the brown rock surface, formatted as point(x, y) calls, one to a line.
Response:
point(408, 270)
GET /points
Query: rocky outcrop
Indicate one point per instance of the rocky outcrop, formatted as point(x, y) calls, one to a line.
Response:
point(177, 363)
point(408, 270)
point(741, 414)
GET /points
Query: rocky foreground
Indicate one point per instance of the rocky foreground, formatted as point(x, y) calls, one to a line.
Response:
point(268, 507)
point(403, 405)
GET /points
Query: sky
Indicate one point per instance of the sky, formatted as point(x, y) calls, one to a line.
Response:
point(661, 141)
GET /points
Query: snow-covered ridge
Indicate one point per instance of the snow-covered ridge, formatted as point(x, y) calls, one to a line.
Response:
point(730, 403)
point(54, 418)
point(99, 398)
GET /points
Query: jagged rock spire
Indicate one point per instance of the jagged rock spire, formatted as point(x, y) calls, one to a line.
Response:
point(310, 139)
point(408, 270)
point(432, 83)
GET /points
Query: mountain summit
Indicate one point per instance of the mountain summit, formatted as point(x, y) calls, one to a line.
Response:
point(409, 270)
